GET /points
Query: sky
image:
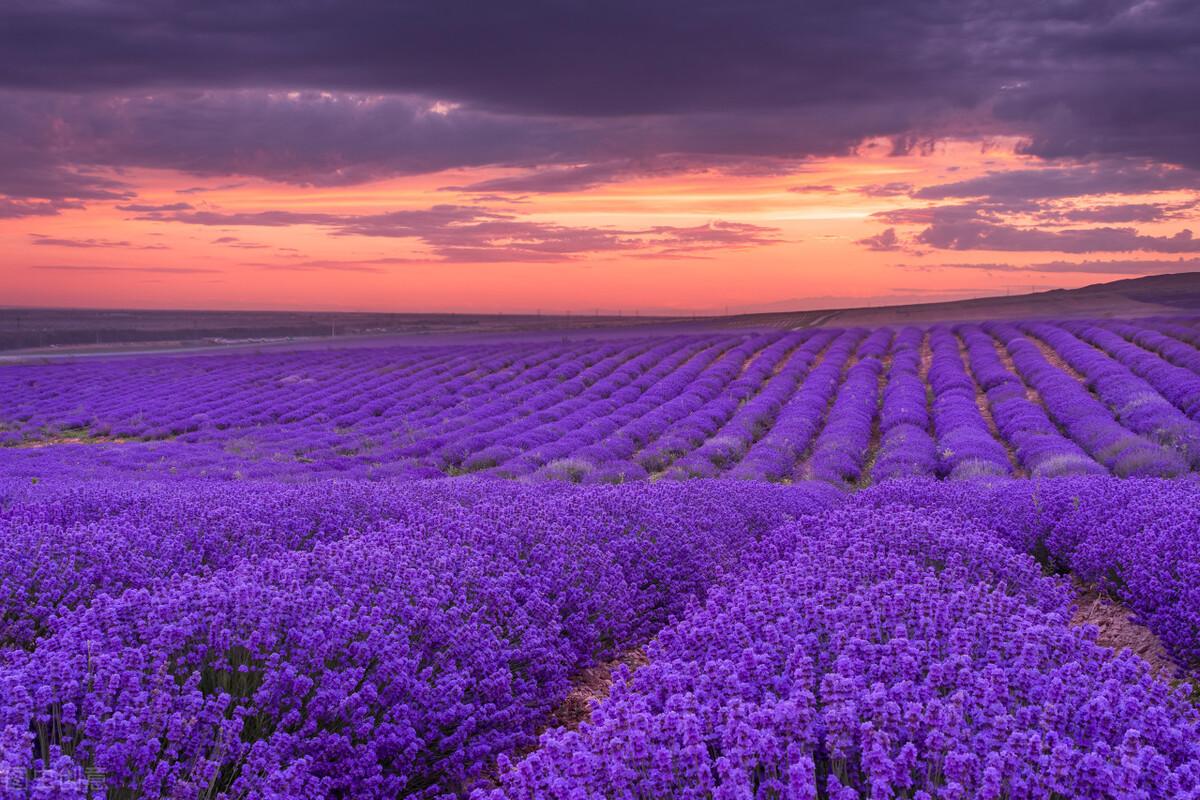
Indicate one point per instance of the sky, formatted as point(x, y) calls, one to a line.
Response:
point(626, 156)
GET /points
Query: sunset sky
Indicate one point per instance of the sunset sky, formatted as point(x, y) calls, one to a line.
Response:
point(629, 155)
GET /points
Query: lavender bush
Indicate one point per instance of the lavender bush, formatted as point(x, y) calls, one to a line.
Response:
point(887, 652)
point(226, 576)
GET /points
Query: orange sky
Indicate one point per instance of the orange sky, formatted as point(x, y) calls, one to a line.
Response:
point(815, 260)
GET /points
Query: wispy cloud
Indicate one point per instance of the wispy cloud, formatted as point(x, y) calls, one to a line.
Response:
point(475, 234)
point(1113, 267)
point(144, 208)
point(122, 244)
point(224, 187)
point(888, 240)
point(114, 269)
point(233, 241)
point(974, 235)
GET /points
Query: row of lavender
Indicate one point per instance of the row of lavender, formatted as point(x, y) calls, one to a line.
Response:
point(1135, 540)
point(383, 640)
point(369, 640)
point(850, 407)
point(900, 654)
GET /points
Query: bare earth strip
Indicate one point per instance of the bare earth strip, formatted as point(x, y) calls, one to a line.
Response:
point(985, 410)
point(804, 469)
point(1118, 631)
point(1056, 360)
point(885, 372)
point(37, 444)
point(591, 686)
point(926, 359)
point(1031, 394)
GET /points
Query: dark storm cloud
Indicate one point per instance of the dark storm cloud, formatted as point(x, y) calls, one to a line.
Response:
point(1123, 84)
point(40, 173)
point(307, 138)
point(533, 56)
point(315, 138)
point(575, 93)
point(1084, 76)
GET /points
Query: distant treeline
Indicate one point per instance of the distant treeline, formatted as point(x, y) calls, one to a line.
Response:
point(29, 328)
point(15, 340)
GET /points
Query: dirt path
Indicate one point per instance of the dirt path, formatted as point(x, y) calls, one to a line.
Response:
point(1051, 355)
point(1118, 630)
point(52, 441)
point(876, 439)
point(923, 374)
point(803, 468)
point(926, 359)
point(590, 687)
point(1031, 394)
point(985, 410)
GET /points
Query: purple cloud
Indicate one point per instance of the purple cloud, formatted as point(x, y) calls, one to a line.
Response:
point(892, 189)
point(234, 241)
point(15, 209)
point(476, 234)
point(973, 235)
point(553, 179)
point(143, 208)
point(409, 87)
point(814, 188)
point(368, 265)
point(204, 189)
point(106, 268)
point(888, 240)
point(1114, 267)
point(1110, 76)
point(1123, 212)
point(55, 241)
point(1024, 185)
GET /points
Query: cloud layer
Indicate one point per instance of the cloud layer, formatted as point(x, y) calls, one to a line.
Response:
point(551, 98)
point(476, 234)
point(579, 93)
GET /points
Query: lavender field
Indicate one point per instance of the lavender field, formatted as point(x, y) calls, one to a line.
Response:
point(817, 563)
point(850, 407)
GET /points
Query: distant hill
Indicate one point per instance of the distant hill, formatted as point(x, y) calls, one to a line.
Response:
point(1153, 295)
point(104, 330)
point(66, 331)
